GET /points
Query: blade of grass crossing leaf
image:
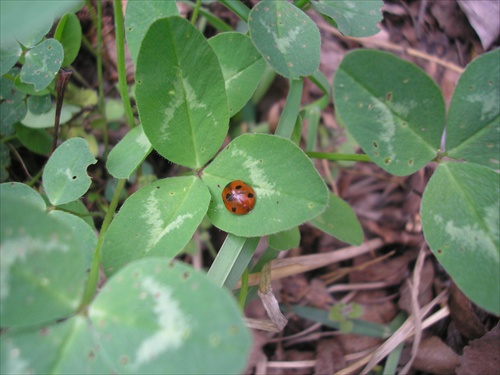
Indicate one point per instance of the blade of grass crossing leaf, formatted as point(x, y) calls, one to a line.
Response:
point(339, 157)
point(241, 264)
point(228, 263)
point(238, 8)
point(291, 110)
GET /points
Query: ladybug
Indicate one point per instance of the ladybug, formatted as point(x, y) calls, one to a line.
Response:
point(238, 197)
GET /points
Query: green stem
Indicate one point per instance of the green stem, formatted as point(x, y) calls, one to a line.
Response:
point(96, 19)
point(215, 21)
point(238, 8)
point(302, 3)
point(244, 289)
point(291, 110)
point(339, 157)
point(120, 62)
point(196, 10)
point(35, 178)
point(93, 279)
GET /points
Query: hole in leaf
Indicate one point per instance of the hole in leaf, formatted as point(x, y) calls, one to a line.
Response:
point(387, 161)
point(74, 177)
point(439, 251)
point(375, 144)
point(410, 162)
point(388, 96)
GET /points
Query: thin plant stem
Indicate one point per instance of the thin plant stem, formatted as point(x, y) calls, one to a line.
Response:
point(96, 261)
point(61, 83)
point(242, 298)
point(291, 110)
point(196, 10)
point(238, 8)
point(120, 62)
point(339, 157)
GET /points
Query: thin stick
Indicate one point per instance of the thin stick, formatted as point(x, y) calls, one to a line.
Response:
point(61, 83)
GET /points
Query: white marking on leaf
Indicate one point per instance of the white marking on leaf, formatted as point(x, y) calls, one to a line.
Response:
point(17, 249)
point(258, 179)
point(405, 108)
point(490, 105)
point(15, 364)
point(153, 218)
point(472, 238)
point(176, 100)
point(143, 141)
point(492, 218)
point(174, 324)
point(386, 120)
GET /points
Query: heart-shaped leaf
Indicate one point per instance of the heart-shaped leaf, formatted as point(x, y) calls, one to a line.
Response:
point(392, 108)
point(284, 199)
point(473, 126)
point(150, 321)
point(242, 67)
point(460, 219)
point(65, 177)
point(352, 18)
point(180, 93)
point(286, 37)
point(129, 153)
point(42, 63)
point(69, 34)
point(157, 220)
point(32, 243)
point(340, 221)
point(139, 17)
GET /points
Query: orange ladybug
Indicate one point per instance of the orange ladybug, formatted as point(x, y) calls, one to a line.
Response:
point(238, 197)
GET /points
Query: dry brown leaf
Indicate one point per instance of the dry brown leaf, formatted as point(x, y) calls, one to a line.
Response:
point(464, 316)
point(330, 357)
point(482, 356)
point(435, 356)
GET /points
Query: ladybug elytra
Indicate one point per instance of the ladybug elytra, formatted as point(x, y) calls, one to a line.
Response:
point(238, 197)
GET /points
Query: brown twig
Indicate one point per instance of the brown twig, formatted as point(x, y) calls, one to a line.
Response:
point(61, 83)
